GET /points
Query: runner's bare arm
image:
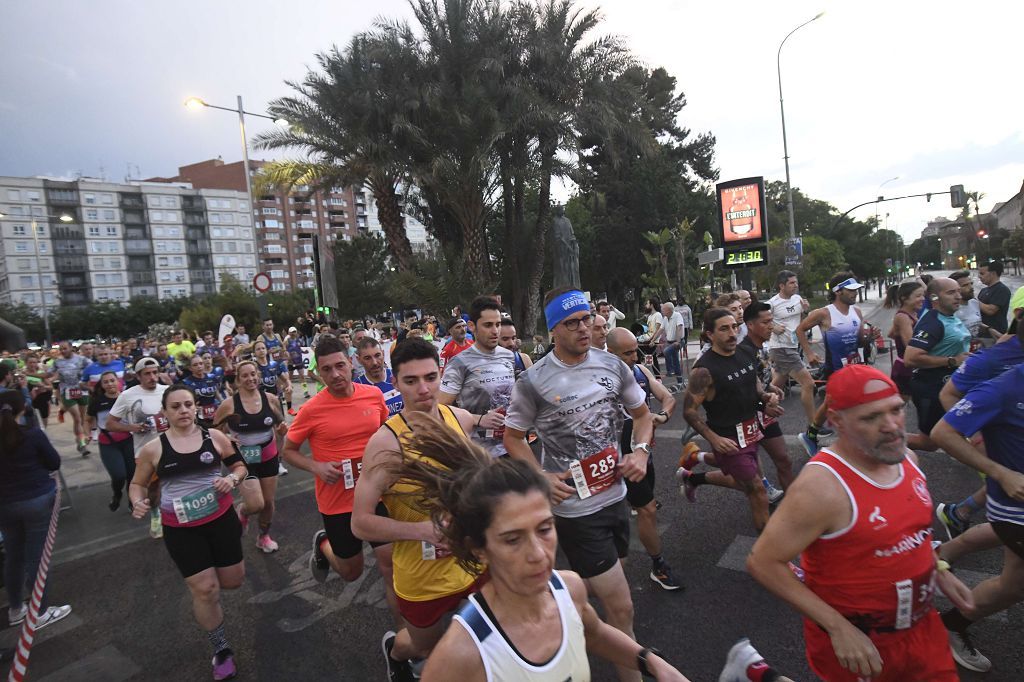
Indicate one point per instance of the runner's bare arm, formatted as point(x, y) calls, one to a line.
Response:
point(145, 467)
point(919, 358)
point(949, 395)
point(381, 450)
point(454, 658)
point(610, 643)
point(813, 320)
point(667, 400)
point(117, 426)
point(467, 420)
point(447, 398)
point(634, 464)
point(814, 505)
point(221, 415)
point(324, 470)
point(701, 388)
point(226, 448)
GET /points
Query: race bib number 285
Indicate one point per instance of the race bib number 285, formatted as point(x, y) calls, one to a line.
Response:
point(596, 473)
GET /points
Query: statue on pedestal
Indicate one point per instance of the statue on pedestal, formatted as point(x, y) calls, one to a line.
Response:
point(565, 252)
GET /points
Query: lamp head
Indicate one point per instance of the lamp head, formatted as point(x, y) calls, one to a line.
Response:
point(195, 103)
point(819, 15)
point(65, 218)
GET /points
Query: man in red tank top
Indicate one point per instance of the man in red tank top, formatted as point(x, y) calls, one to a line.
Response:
point(860, 516)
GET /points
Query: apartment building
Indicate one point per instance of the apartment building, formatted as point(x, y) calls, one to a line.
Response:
point(103, 241)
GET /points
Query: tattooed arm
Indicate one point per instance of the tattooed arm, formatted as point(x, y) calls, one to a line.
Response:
point(701, 388)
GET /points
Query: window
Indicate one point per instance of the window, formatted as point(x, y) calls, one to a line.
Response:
point(165, 276)
point(171, 202)
point(115, 263)
point(94, 231)
point(41, 229)
point(100, 279)
point(232, 247)
point(107, 199)
point(229, 232)
point(117, 294)
point(111, 230)
point(24, 263)
point(114, 278)
point(178, 260)
point(243, 206)
point(214, 218)
point(274, 248)
point(17, 210)
point(242, 219)
point(21, 247)
point(247, 234)
point(19, 231)
point(89, 199)
point(181, 291)
point(13, 195)
point(161, 247)
point(269, 211)
point(272, 236)
point(271, 223)
point(156, 215)
point(108, 214)
point(114, 247)
point(97, 263)
point(43, 247)
point(28, 297)
point(92, 214)
point(162, 261)
point(27, 281)
point(174, 232)
point(217, 232)
point(248, 247)
point(32, 195)
point(154, 201)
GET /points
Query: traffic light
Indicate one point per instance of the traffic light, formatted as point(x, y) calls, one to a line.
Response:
point(982, 233)
point(957, 197)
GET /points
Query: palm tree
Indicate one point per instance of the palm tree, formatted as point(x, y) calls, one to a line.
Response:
point(348, 118)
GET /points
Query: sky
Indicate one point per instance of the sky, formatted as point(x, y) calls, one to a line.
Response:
point(925, 92)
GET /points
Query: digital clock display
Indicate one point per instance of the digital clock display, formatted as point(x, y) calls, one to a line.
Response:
point(744, 257)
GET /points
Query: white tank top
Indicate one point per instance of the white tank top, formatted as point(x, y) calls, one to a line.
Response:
point(503, 663)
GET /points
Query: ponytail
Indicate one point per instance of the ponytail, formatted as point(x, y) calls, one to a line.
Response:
point(896, 294)
point(12, 404)
point(458, 484)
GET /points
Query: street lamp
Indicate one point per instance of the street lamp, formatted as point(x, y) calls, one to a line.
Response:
point(880, 197)
point(34, 226)
point(782, 109)
point(196, 103)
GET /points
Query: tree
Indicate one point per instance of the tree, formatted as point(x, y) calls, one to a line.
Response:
point(925, 250)
point(822, 259)
point(24, 316)
point(1013, 245)
point(362, 271)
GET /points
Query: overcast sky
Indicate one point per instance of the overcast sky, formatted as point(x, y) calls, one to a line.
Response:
point(927, 91)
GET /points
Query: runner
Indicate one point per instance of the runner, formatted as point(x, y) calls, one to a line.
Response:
point(293, 346)
point(599, 333)
point(907, 299)
point(138, 411)
point(939, 346)
point(480, 378)
point(168, 366)
point(574, 397)
point(202, 533)
point(640, 495)
point(39, 386)
point(67, 370)
point(457, 330)
point(497, 518)
point(269, 337)
point(252, 420)
point(725, 381)
point(969, 311)
point(179, 344)
point(994, 299)
point(338, 422)
point(206, 386)
point(995, 409)
point(859, 516)
point(273, 374)
point(507, 339)
point(842, 331)
point(378, 374)
point(116, 448)
point(428, 582)
point(788, 308)
point(105, 362)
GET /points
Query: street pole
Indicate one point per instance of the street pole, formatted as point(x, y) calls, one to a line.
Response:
point(42, 292)
point(245, 158)
point(782, 110)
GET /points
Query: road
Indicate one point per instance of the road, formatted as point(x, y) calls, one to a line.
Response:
point(132, 614)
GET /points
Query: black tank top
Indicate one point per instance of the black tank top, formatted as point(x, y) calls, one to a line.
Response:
point(735, 382)
point(252, 423)
point(175, 465)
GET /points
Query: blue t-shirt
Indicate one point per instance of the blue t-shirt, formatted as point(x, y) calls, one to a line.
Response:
point(941, 336)
point(988, 364)
point(996, 408)
point(95, 370)
point(392, 398)
point(207, 388)
point(269, 374)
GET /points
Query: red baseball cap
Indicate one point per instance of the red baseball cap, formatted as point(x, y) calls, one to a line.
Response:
point(858, 384)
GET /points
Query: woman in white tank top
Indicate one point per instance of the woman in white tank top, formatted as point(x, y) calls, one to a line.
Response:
point(529, 622)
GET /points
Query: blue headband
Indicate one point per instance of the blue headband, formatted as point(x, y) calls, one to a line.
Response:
point(564, 305)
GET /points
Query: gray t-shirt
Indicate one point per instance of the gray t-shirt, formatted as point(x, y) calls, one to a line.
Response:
point(786, 312)
point(69, 370)
point(577, 412)
point(483, 382)
point(136, 405)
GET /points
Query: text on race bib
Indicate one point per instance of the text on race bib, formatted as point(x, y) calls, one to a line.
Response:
point(206, 412)
point(73, 393)
point(252, 454)
point(595, 473)
point(196, 506)
point(748, 432)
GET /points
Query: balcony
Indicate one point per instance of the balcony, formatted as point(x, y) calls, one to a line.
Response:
point(138, 246)
point(70, 263)
point(74, 297)
point(197, 248)
point(139, 277)
point(68, 231)
point(136, 233)
point(194, 219)
point(195, 234)
point(141, 264)
point(205, 275)
point(134, 218)
point(199, 262)
point(192, 203)
point(132, 201)
point(62, 197)
point(204, 288)
point(69, 280)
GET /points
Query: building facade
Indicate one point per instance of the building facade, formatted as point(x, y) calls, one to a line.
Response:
point(122, 241)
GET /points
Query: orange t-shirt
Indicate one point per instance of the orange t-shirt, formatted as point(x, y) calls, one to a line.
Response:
point(338, 430)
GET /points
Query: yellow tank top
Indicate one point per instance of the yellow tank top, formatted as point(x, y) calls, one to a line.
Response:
point(418, 575)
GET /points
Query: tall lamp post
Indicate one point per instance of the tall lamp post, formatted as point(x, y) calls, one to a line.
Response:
point(880, 197)
point(782, 109)
point(34, 226)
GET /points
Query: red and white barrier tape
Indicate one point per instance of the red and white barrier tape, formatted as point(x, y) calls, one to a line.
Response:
point(28, 627)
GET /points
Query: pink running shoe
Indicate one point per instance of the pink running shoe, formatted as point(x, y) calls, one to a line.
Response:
point(265, 543)
point(224, 669)
point(683, 475)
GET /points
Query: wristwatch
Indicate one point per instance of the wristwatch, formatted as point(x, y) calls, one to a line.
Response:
point(643, 446)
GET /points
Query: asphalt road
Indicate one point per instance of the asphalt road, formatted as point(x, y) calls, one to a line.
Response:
point(132, 614)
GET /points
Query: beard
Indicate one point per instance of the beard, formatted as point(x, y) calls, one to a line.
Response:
point(888, 452)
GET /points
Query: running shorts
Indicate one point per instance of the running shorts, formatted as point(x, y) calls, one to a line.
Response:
point(344, 543)
point(741, 465)
point(217, 544)
point(266, 469)
point(641, 493)
point(925, 396)
point(1011, 535)
point(918, 653)
point(786, 361)
point(423, 614)
point(595, 542)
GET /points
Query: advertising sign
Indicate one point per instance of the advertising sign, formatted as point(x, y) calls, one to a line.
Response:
point(795, 251)
point(741, 212)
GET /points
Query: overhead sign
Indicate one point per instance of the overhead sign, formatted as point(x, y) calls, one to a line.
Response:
point(741, 213)
point(710, 256)
point(795, 251)
point(261, 282)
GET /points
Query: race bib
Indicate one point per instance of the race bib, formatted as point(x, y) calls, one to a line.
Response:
point(196, 506)
point(853, 359)
point(206, 412)
point(913, 599)
point(158, 423)
point(72, 392)
point(498, 433)
point(595, 473)
point(350, 474)
point(748, 432)
point(765, 419)
point(432, 552)
point(252, 454)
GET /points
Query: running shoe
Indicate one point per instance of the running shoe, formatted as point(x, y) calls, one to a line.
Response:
point(945, 512)
point(266, 543)
point(826, 431)
point(774, 494)
point(683, 476)
point(224, 665)
point(60, 416)
point(52, 615)
point(398, 671)
point(688, 434)
point(742, 656)
point(318, 564)
point(810, 445)
point(662, 574)
point(281, 471)
point(156, 527)
point(291, 411)
point(689, 458)
point(115, 502)
point(966, 655)
point(16, 616)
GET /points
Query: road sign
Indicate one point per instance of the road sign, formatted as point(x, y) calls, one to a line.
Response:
point(795, 251)
point(711, 256)
point(261, 282)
